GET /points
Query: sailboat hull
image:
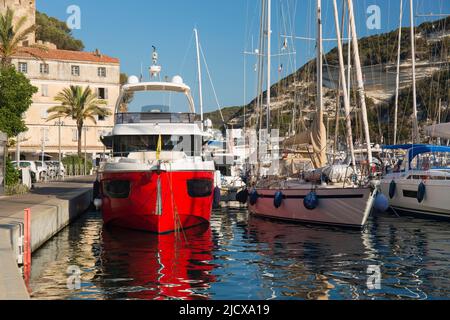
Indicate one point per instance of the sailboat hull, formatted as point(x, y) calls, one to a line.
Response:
point(436, 202)
point(346, 207)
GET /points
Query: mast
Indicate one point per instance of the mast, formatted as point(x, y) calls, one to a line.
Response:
point(200, 93)
point(260, 67)
point(269, 58)
point(359, 77)
point(397, 84)
point(415, 132)
point(319, 58)
point(344, 86)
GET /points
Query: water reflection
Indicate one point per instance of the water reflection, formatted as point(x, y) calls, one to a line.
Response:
point(173, 266)
point(307, 262)
point(244, 257)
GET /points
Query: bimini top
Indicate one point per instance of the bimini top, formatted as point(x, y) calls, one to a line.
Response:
point(177, 87)
point(415, 149)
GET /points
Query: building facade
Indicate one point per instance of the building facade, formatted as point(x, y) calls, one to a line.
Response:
point(53, 72)
point(58, 70)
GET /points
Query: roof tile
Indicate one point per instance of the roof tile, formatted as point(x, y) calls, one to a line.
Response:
point(56, 54)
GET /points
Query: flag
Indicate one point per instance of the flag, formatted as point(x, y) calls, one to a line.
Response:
point(280, 68)
point(158, 148)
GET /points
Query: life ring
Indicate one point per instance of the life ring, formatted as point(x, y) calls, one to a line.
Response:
point(311, 201)
point(421, 192)
point(278, 199)
point(253, 197)
point(392, 189)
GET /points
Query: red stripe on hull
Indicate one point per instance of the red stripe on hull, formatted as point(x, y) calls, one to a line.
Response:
point(139, 210)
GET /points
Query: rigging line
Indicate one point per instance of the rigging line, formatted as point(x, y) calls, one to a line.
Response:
point(212, 85)
point(248, 36)
point(186, 53)
point(292, 28)
point(283, 19)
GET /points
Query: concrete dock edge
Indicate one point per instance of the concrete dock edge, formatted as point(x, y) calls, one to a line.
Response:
point(49, 215)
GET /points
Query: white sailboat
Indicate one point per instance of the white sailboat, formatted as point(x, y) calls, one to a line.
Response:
point(420, 183)
point(342, 203)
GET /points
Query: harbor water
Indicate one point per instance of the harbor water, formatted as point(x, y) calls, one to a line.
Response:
point(247, 258)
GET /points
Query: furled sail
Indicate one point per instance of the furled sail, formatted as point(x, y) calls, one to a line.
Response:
point(319, 141)
point(316, 137)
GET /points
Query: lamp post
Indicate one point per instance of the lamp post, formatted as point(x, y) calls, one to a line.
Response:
point(44, 140)
point(85, 149)
point(59, 123)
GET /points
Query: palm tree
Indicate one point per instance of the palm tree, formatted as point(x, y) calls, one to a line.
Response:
point(80, 105)
point(12, 36)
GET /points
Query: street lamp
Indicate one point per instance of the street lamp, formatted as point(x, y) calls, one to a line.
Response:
point(44, 132)
point(59, 123)
point(86, 129)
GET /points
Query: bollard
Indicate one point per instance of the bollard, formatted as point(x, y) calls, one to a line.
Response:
point(27, 247)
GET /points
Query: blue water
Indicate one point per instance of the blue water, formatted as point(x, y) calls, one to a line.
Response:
point(243, 257)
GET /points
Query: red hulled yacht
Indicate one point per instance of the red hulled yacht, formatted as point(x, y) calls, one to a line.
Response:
point(157, 179)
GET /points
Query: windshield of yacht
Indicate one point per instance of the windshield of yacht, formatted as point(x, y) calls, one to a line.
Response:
point(436, 160)
point(154, 101)
point(189, 144)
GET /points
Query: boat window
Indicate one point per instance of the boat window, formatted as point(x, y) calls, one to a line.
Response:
point(199, 188)
point(117, 189)
point(426, 161)
point(154, 101)
point(189, 144)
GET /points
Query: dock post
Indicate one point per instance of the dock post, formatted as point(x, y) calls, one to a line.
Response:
point(27, 247)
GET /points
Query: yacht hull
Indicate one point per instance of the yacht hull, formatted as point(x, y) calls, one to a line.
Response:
point(158, 202)
point(345, 207)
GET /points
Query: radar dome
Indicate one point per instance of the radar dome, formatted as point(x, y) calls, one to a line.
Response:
point(177, 80)
point(133, 80)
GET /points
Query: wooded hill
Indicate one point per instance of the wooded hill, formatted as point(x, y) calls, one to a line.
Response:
point(298, 90)
point(55, 31)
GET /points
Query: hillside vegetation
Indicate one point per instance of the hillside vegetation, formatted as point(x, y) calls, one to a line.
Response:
point(55, 31)
point(297, 91)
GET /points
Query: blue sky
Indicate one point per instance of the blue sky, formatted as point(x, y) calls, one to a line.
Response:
point(128, 29)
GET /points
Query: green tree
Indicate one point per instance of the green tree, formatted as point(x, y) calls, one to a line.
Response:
point(55, 31)
point(12, 37)
point(80, 105)
point(16, 94)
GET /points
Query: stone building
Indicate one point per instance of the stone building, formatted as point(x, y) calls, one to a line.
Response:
point(22, 8)
point(55, 71)
point(60, 69)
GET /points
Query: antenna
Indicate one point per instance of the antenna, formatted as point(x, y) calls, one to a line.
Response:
point(155, 70)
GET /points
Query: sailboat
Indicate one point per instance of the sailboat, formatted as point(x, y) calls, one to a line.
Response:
point(346, 203)
point(420, 183)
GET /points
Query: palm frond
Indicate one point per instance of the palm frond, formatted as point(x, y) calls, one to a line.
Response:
point(56, 116)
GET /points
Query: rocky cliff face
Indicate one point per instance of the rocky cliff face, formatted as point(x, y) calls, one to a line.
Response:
point(293, 102)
